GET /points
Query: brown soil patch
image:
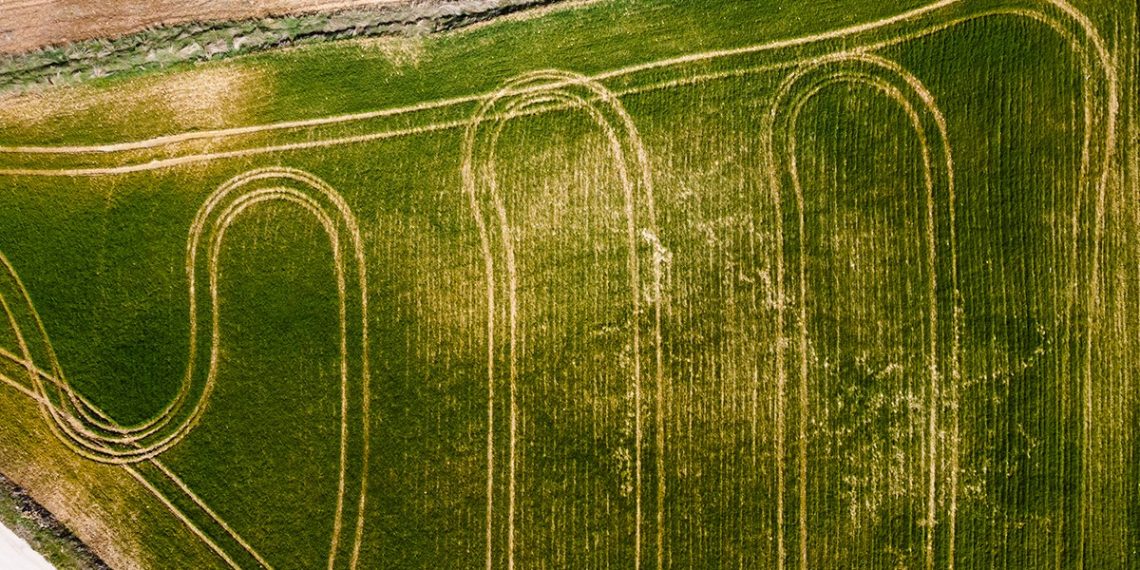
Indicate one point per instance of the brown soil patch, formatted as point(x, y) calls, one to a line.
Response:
point(29, 24)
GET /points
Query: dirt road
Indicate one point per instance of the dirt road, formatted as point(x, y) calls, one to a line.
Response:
point(28, 24)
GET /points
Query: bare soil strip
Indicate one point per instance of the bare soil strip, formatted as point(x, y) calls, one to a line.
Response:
point(29, 24)
point(197, 41)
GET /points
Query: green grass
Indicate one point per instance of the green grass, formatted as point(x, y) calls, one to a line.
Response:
point(103, 260)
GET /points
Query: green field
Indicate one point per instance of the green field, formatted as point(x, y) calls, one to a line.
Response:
point(628, 284)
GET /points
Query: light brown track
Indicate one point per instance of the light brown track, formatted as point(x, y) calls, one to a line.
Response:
point(545, 87)
point(85, 439)
point(880, 72)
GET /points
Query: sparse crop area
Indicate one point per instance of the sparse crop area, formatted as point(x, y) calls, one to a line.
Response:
point(627, 284)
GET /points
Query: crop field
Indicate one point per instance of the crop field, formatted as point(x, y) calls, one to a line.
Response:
point(624, 284)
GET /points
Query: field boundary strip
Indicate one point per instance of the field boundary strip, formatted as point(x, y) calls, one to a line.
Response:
point(193, 35)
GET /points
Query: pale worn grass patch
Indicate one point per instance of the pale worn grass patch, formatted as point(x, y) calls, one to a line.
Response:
point(404, 53)
point(201, 98)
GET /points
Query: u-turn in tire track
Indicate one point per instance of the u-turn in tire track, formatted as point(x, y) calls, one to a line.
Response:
point(90, 433)
point(577, 92)
point(901, 87)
